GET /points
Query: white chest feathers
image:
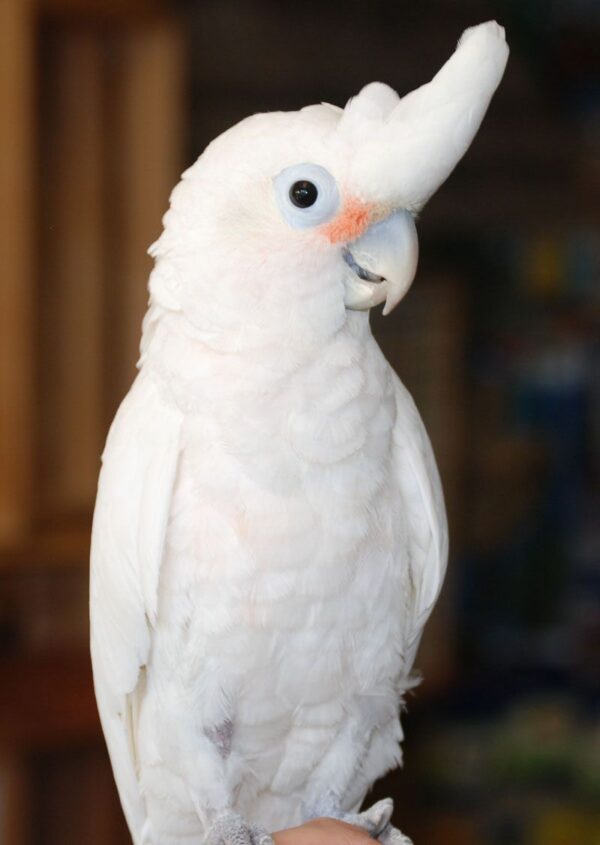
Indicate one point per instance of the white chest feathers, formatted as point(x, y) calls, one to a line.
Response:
point(282, 591)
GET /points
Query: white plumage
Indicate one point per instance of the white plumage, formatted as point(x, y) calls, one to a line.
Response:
point(269, 535)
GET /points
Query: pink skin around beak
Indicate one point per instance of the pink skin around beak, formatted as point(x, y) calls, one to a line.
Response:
point(354, 219)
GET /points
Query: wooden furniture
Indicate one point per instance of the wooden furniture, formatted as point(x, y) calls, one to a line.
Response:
point(91, 100)
point(91, 141)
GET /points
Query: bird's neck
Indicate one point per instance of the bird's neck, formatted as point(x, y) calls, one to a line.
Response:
point(199, 369)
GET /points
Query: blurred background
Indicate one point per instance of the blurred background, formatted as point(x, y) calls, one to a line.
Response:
point(102, 104)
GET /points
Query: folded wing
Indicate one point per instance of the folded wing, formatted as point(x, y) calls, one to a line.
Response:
point(423, 503)
point(130, 521)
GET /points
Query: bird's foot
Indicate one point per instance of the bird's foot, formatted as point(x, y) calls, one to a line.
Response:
point(375, 820)
point(229, 828)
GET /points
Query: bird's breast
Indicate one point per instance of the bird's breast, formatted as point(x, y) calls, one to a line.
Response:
point(280, 586)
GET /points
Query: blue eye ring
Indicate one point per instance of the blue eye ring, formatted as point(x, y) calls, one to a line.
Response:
point(306, 194)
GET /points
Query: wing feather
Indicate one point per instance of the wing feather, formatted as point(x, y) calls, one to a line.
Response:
point(130, 522)
point(423, 501)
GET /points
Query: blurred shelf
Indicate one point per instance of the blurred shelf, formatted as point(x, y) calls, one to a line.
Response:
point(47, 700)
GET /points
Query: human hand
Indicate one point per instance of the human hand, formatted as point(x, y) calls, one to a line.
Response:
point(323, 831)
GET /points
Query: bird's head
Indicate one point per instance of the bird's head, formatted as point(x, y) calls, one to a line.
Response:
point(319, 205)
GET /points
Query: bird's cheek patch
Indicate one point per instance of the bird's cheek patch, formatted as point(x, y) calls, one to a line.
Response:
point(350, 223)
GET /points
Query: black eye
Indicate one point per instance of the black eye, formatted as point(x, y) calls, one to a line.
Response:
point(303, 194)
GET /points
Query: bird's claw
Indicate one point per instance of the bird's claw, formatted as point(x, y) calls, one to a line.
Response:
point(229, 828)
point(376, 820)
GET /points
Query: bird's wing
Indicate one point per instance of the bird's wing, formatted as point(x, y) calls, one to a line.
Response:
point(423, 502)
point(130, 521)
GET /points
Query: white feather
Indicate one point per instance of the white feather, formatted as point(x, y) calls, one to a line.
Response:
point(130, 520)
point(421, 490)
point(296, 618)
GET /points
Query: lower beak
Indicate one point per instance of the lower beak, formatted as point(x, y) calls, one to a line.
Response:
point(382, 263)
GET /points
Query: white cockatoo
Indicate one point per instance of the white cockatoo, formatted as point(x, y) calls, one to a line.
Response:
point(269, 535)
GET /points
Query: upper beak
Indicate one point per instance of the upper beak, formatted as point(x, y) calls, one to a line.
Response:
point(382, 263)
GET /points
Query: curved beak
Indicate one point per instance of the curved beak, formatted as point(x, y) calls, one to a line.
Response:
point(382, 263)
